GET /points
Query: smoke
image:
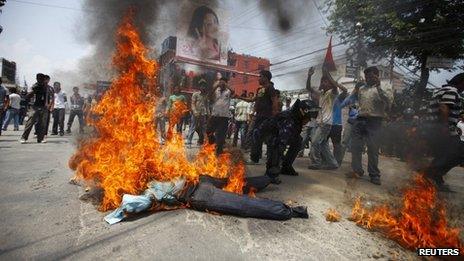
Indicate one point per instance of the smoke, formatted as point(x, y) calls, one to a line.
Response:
point(98, 27)
point(154, 19)
point(282, 13)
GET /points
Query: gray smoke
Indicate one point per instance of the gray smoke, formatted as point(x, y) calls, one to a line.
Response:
point(283, 13)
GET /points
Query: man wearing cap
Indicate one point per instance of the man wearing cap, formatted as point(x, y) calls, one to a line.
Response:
point(199, 113)
point(443, 113)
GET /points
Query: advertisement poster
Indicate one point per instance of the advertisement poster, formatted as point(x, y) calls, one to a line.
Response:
point(202, 33)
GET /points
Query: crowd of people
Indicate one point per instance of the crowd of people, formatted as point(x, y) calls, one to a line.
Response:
point(286, 127)
point(266, 118)
point(39, 105)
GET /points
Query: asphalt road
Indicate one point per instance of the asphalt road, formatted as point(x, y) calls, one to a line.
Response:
point(43, 216)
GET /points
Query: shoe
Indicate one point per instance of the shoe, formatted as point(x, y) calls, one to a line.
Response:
point(376, 180)
point(315, 167)
point(300, 212)
point(54, 133)
point(275, 180)
point(250, 162)
point(68, 131)
point(22, 141)
point(61, 133)
point(329, 167)
point(16, 130)
point(288, 170)
point(354, 175)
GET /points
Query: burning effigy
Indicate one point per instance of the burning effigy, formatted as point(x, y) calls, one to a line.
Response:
point(136, 172)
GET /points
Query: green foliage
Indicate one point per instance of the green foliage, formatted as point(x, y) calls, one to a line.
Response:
point(409, 29)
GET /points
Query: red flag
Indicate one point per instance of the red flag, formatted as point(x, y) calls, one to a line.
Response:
point(329, 61)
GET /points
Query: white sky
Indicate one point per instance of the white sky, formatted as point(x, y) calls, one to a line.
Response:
point(46, 39)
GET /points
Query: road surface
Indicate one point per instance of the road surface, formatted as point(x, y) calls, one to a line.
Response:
point(44, 217)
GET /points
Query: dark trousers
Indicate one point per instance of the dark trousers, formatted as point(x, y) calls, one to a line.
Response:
point(40, 117)
point(22, 115)
point(216, 131)
point(336, 138)
point(58, 120)
point(276, 154)
point(2, 115)
point(241, 128)
point(80, 116)
point(257, 143)
point(449, 158)
point(366, 129)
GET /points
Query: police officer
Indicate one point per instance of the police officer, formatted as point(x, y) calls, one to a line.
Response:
point(282, 131)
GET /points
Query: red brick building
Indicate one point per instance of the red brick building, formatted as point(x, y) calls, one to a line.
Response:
point(248, 64)
point(242, 70)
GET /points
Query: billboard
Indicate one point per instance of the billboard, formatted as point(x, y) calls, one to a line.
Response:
point(8, 69)
point(202, 33)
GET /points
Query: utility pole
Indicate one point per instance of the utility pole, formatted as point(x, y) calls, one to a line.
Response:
point(361, 56)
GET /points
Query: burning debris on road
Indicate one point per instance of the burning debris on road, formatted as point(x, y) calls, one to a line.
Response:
point(124, 158)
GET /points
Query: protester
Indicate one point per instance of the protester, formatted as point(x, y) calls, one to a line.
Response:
point(337, 125)
point(217, 124)
point(288, 103)
point(250, 123)
point(13, 110)
point(39, 116)
point(320, 154)
point(50, 100)
point(59, 109)
point(24, 106)
point(375, 98)
point(77, 109)
point(263, 110)
point(352, 103)
point(199, 113)
point(176, 96)
point(444, 110)
point(3, 102)
point(160, 117)
point(242, 112)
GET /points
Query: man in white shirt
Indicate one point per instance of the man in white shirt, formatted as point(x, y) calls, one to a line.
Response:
point(242, 112)
point(13, 110)
point(59, 109)
point(220, 114)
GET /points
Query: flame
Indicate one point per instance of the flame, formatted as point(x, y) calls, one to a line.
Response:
point(332, 215)
point(420, 223)
point(124, 154)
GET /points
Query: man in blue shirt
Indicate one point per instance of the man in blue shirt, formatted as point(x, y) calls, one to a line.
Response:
point(350, 101)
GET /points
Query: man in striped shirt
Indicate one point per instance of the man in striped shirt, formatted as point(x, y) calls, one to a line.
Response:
point(443, 112)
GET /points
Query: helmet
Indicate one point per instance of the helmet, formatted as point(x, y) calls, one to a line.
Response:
point(306, 109)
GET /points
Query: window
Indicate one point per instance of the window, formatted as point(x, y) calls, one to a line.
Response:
point(246, 63)
point(260, 67)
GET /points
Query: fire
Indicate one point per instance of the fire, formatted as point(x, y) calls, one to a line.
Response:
point(125, 154)
point(420, 223)
point(332, 215)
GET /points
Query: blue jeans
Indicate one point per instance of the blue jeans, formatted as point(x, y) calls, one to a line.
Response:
point(320, 154)
point(197, 124)
point(11, 114)
point(366, 130)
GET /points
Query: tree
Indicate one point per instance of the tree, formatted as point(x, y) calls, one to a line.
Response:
point(410, 30)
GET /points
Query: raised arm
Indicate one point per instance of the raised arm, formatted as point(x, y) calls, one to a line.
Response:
point(332, 81)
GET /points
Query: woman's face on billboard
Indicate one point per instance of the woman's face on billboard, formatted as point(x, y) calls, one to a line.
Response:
point(210, 26)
